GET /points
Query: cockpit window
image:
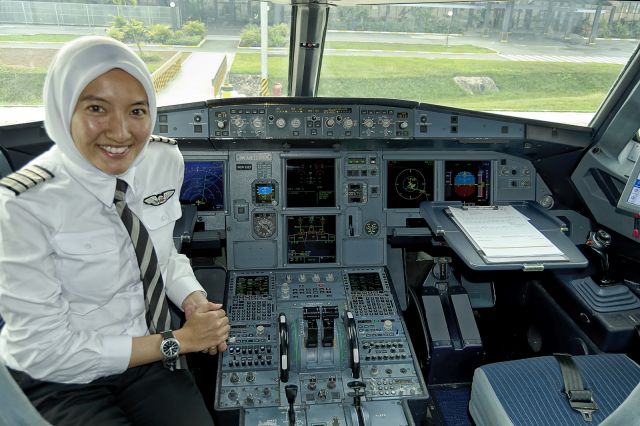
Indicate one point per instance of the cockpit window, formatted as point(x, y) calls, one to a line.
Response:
point(554, 61)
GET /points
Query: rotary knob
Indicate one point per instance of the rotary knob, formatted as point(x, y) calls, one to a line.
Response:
point(368, 123)
point(237, 122)
point(258, 122)
point(387, 325)
point(330, 122)
point(347, 123)
point(386, 122)
point(404, 124)
point(296, 123)
point(281, 123)
point(221, 124)
point(260, 330)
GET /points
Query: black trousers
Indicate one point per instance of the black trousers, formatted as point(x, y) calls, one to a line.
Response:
point(145, 395)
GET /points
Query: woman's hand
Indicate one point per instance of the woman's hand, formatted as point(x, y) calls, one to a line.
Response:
point(206, 329)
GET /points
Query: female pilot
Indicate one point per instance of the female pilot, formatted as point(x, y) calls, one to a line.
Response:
point(87, 256)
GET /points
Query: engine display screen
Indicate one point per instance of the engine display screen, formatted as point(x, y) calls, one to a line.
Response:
point(203, 185)
point(311, 239)
point(468, 181)
point(409, 183)
point(257, 285)
point(311, 182)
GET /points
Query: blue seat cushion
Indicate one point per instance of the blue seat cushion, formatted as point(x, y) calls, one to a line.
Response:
point(530, 391)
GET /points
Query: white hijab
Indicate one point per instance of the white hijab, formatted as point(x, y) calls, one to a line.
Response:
point(76, 65)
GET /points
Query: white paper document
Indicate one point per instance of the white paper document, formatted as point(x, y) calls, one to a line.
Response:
point(503, 234)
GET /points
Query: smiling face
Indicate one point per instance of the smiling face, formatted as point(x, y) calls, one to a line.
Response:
point(110, 124)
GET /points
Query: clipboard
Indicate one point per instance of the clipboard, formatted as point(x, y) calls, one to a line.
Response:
point(562, 254)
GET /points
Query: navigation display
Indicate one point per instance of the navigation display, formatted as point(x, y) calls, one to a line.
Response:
point(311, 239)
point(409, 183)
point(468, 181)
point(311, 182)
point(203, 185)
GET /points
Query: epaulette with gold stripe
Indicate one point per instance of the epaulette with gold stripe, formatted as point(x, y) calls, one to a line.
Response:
point(163, 139)
point(26, 178)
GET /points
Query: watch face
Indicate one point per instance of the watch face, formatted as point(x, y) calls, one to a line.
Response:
point(170, 348)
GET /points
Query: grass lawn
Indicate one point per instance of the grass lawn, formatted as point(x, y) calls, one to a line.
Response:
point(406, 47)
point(522, 86)
point(22, 73)
point(59, 38)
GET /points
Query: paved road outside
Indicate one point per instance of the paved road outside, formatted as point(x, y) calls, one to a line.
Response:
point(517, 44)
point(193, 83)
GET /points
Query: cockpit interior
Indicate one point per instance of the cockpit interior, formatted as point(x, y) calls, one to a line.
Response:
point(387, 260)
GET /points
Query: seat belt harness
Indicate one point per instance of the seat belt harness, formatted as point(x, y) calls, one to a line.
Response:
point(580, 399)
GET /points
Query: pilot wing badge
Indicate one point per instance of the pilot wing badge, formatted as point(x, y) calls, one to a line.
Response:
point(159, 199)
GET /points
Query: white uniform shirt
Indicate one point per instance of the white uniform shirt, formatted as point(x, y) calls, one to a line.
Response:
point(70, 288)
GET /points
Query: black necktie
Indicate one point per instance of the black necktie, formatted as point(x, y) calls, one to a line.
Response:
point(155, 300)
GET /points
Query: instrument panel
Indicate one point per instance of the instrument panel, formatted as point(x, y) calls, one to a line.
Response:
point(286, 118)
point(288, 209)
point(306, 197)
point(316, 347)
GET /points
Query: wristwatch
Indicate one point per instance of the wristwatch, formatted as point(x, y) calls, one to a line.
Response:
point(170, 349)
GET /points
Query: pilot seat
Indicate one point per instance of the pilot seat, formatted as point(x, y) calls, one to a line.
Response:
point(531, 392)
